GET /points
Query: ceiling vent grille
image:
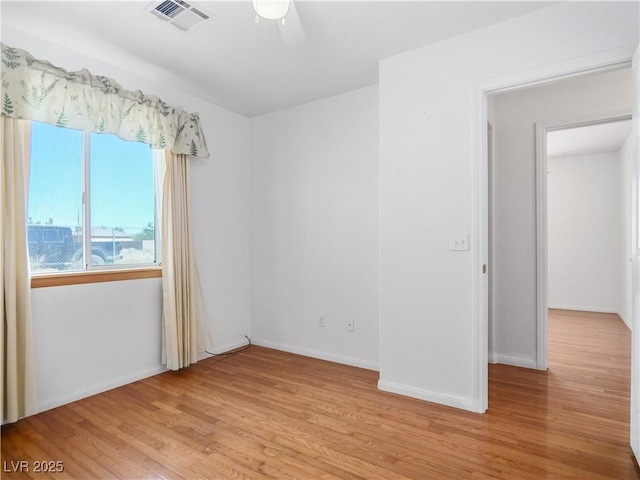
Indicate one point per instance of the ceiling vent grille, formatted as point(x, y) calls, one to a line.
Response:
point(178, 13)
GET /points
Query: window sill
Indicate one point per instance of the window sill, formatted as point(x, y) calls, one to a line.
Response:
point(77, 278)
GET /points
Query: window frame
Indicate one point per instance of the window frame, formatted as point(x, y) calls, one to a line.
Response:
point(108, 272)
point(82, 277)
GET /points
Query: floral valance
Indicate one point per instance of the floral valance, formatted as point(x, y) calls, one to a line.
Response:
point(36, 90)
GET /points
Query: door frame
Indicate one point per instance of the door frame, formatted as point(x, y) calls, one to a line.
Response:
point(542, 265)
point(635, 265)
point(605, 61)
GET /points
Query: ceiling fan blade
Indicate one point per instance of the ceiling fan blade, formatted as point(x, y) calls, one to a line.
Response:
point(292, 31)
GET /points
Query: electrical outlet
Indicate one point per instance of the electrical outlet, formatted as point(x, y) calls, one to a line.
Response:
point(321, 322)
point(351, 325)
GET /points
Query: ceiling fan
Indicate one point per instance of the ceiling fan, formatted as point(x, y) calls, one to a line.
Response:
point(285, 13)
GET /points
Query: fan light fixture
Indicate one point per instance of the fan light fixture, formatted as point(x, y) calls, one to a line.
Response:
point(271, 9)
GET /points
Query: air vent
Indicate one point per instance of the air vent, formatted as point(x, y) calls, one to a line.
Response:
point(178, 13)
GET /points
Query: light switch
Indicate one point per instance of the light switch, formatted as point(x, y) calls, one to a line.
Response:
point(459, 242)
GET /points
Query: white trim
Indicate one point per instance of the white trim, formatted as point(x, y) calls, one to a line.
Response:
point(586, 309)
point(513, 361)
point(120, 381)
point(542, 362)
point(99, 388)
point(590, 64)
point(615, 311)
point(625, 320)
point(635, 266)
point(442, 399)
point(491, 234)
point(607, 60)
point(307, 352)
point(479, 252)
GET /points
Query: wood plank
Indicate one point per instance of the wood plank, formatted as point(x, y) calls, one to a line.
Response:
point(270, 414)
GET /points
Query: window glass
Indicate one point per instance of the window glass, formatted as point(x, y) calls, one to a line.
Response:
point(89, 207)
point(55, 199)
point(122, 201)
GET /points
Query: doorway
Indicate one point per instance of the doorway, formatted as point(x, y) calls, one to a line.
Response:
point(518, 250)
point(588, 168)
point(485, 93)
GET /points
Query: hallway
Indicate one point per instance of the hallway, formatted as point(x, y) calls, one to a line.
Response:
point(577, 413)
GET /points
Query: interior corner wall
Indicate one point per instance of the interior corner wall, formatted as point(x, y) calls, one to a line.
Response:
point(514, 194)
point(315, 228)
point(427, 124)
point(89, 338)
point(585, 227)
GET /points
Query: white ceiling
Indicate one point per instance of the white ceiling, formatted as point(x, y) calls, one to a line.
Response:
point(245, 67)
point(601, 138)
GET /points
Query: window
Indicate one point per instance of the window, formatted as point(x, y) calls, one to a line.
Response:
point(91, 202)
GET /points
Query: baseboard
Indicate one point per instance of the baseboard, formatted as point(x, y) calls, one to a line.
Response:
point(624, 320)
point(595, 310)
point(585, 309)
point(307, 352)
point(99, 388)
point(120, 381)
point(224, 348)
point(433, 397)
point(513, 361)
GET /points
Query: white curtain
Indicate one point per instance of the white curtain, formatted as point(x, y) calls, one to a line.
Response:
point(185, 331)
point(159, 167)
point(18, 371)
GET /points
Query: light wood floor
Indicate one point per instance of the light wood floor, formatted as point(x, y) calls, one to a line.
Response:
point(265, 414)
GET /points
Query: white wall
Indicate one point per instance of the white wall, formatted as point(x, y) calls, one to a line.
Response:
point(315, 247)
point(585, 227)
point(93, 337)
point(514, 220)
point(626, 180)
point(427, 124)
point(89, 338)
